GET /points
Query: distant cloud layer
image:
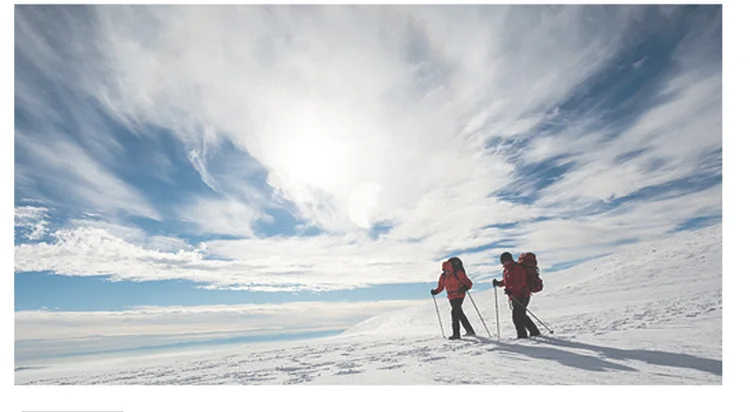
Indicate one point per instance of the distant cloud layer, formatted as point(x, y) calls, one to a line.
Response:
point(67, 333)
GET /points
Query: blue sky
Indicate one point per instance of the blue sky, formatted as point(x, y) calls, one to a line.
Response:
point(189, 174)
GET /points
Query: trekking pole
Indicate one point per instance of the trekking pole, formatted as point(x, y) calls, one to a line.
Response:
point(480, 315)
point(497, 314)
point(532, 314)
point(438, 313)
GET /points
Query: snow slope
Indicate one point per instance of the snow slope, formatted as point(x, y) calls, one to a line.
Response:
point(649, 314)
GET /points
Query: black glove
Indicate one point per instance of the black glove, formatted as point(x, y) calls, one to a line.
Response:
point(463, 289)
point(496, 283)
point(433, 292)
point(507, 291)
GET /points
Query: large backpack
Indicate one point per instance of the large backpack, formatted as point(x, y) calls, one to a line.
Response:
point(528, 261)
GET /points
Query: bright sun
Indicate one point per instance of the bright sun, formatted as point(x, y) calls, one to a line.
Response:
point(315, 160)
point(313, 152)
point(320, 161)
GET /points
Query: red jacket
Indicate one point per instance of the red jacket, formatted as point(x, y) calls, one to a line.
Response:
point(452, 282)
point(514, 279)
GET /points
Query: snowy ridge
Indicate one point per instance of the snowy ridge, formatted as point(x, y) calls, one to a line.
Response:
point(679, 270)
point(649, 314)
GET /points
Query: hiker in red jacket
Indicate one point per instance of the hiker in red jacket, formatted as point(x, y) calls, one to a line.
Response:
point(514, 281)
point(455, 281)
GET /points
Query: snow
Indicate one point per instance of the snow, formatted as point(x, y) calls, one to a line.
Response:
point(649, 314)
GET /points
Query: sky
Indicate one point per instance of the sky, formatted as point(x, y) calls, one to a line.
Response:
point(204, 174)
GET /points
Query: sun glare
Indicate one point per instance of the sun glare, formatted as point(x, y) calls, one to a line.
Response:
point(314, 160)
point(319, 160)
point(363, 204)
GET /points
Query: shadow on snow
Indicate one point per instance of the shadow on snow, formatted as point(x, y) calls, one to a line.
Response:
point(603, 362)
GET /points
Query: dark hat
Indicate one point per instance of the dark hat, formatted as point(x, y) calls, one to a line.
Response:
point(458, 266)
point(505, 257)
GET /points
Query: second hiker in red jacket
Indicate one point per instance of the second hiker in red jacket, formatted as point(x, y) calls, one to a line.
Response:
point(455, 281)
point(514, 281)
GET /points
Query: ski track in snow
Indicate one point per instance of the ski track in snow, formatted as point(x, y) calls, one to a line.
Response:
point(650, 314)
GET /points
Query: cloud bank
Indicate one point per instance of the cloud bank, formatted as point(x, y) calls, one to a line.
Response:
point(51, 334)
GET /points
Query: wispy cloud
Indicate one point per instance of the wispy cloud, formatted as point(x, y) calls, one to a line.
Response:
point(222, 216)
point(327, 119)
point(330, 262)
point(67, 171)
point(66, 151)
point(459, 128)
point(640, 63)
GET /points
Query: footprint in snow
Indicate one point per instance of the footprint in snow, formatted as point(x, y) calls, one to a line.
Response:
point(349, 372)
point(390, 367)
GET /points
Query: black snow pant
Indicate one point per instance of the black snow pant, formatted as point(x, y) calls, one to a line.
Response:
point(458, 315)
point(521, 320)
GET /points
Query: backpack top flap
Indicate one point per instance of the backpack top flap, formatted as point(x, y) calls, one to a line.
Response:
point(529, 263)
point(528, 260)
